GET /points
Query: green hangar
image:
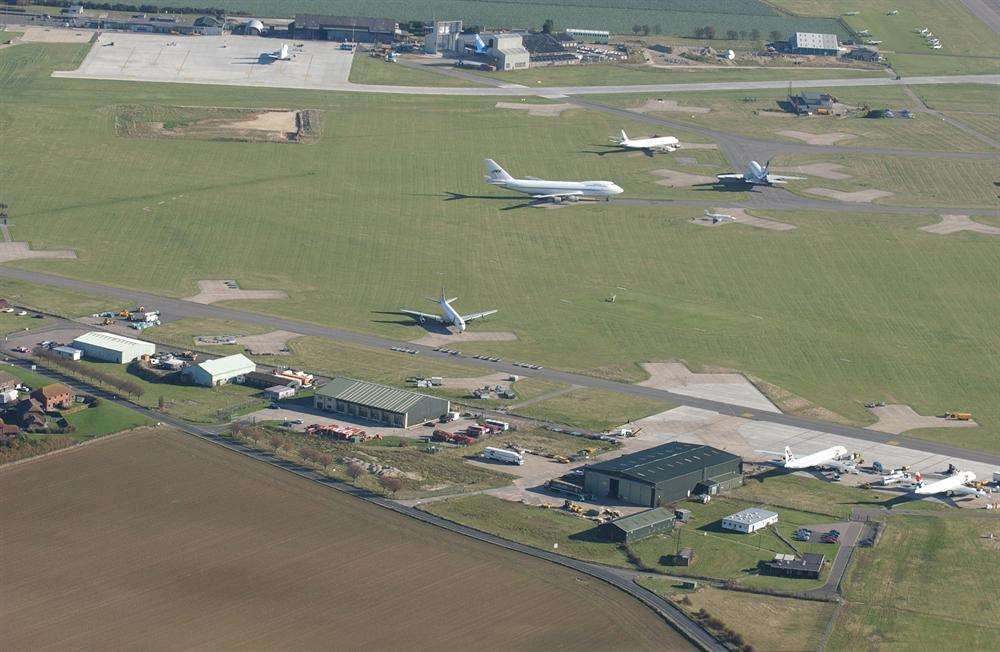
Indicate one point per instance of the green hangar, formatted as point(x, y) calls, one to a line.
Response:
point(379, 403)
point(664, 474)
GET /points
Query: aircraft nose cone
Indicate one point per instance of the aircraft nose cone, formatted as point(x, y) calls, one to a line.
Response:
point(617, 189)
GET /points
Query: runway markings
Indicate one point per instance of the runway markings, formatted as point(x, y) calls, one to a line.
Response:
point(309, 66)
point(183, 61)
point(127, 59)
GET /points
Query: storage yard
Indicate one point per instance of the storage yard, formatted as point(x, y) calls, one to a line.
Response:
point(205, 552)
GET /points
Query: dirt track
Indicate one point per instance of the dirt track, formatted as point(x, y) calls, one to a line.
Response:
point(161, 541)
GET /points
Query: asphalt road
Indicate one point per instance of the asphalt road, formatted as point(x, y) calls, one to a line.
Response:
point(619, 578)
point(987, 11)
point(178, 308)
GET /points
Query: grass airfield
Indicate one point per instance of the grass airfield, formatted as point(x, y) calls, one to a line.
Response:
point(844, 309)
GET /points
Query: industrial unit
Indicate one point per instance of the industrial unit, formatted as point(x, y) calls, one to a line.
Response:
point(67, 352)
point(379, 403)
point(220, 370)
point(811, 43)
point(442, 36)
point(355, 29)
point(749, 520)
point(110, 347)
point(588, 35)
point(664, 474)
point(638, 526)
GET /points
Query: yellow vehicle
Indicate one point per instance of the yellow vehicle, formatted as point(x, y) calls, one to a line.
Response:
point(958, 416)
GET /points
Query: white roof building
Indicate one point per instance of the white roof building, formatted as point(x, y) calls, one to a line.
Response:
point(111, 347)
point(749, 520)
point(813, 41)
point(220, 370)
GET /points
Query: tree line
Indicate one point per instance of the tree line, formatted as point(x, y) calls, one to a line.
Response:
point(145, 9)
point(77, 368)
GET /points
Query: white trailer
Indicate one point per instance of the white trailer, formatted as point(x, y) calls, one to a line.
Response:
point(501, 455)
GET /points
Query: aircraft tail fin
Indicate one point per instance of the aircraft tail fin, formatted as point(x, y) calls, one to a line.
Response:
point(789, 456)
point(495, 173)
point(624, 136)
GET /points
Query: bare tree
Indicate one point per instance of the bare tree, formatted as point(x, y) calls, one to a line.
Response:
point(390, 483)
point(355, 470)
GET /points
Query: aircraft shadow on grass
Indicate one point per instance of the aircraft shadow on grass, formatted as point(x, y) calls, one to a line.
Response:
point(406, 320)
point(455, 196)
point(612, 149)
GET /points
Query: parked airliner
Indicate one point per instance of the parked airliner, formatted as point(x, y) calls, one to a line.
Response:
point(449, 316)
point(557, 191)
point(756, 175)
point(828, 457)
point(953, 484)
point(649, 145)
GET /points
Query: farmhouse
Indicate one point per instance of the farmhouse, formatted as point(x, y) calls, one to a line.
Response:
point(220, 370)
point(664, 474)
point(379, 403)
point(53, 397)
point(806, 102)
point(344, 28)
point(749, 520)
point(109, 347)
point(638, 526)
point(811, 43)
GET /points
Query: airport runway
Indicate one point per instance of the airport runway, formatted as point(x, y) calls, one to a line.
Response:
point(179, 308)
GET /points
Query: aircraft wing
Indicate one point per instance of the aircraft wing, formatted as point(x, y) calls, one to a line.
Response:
point(844, 466)
point(478, 315)
point(969, 491)
point(572, 193)
point(779, 178)
point(422, 316)
point(730, 177)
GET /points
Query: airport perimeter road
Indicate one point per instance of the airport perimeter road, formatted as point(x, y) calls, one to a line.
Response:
point(780, 199)
point(179, 308)
point(619, 578)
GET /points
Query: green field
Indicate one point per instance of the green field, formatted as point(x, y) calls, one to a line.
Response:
point(352, 233)
point(369, 70)
point(925, 585)
point(765, 622)
point(962, 183)
point(668, 16)
point(57, 301)
point(626, 74)
point(757, 113)
point(967, 44)
point(12, 322)
point(594, 409)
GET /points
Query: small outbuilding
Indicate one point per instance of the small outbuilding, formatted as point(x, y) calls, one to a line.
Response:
point(749, 520)
point(220, 371)
point(809, 566)
point(68, 352)
point(279, 392)
point(638, 526)
point(111, 347)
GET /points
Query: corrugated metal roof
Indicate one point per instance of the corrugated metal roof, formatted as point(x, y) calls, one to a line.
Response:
point(814, 41)
point(109, 340)
point(227, 365)
point(664, 462)
point(640, 520)
point(373, 395)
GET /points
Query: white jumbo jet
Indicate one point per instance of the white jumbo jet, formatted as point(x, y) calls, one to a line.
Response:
point(650, 145)
point(757, 175)
point(828, 457)
point(281, 54)
point(953, 484)
point(449, 316)
point(556, 191)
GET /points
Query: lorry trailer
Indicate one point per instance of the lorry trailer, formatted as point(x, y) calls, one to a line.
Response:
point(501, 455)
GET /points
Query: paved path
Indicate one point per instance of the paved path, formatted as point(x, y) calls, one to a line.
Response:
point(179, 308)
point(622, 579)
point(850, 532)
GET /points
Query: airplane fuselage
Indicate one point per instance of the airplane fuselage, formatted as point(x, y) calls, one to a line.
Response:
point(816, 459)
point(951, 483)
point(662, 143)
point(568, 188)
point(451, 316)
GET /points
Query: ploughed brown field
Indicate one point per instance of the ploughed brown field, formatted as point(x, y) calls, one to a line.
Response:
point(160, 540)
